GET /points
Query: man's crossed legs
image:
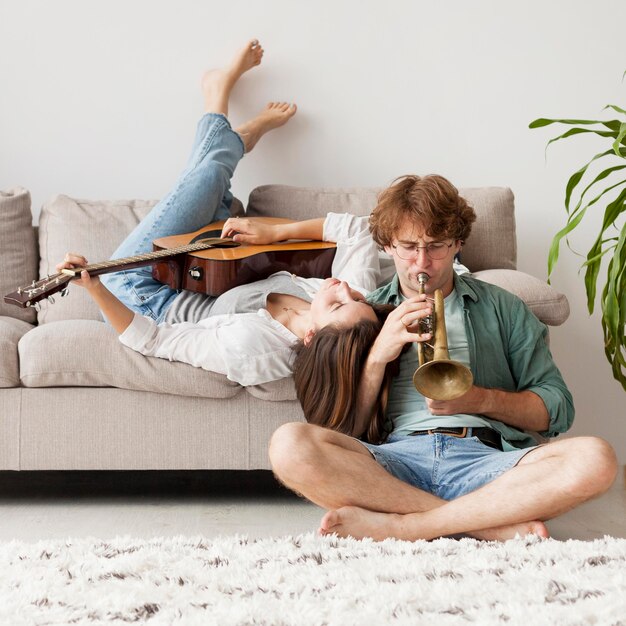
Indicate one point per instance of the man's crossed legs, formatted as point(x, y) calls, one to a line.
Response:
point(339, 473)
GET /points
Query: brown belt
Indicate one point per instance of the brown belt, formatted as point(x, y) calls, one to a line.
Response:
point(488, 436)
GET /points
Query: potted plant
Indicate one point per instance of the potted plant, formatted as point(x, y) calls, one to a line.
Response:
point(599, 193)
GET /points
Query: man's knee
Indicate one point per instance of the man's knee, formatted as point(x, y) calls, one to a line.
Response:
point(596, 466)
point(291, 447)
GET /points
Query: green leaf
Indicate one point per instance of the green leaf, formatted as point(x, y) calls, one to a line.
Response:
point(618, 140)
point(553, 254)
point(578, 131)
point(572, 221)
point(576, 177)
point(542, 121)
point(611, 213)
point(614, 311)
point(598, 257)
point(615, 108)
point(601, 176)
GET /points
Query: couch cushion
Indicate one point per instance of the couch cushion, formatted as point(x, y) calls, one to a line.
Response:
point(86, 353)
point(18, 249)
point(93, 229)
point(492, 243)
point(274, 391)
point(11, 330)
point(550, 306)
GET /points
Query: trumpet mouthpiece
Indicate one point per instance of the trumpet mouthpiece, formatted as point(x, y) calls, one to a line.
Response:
point(422, 278)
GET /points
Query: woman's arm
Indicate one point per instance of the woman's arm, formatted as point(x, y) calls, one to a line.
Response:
point(118, 314)
point(356, 258)
point(397, 331)
point(246, 230)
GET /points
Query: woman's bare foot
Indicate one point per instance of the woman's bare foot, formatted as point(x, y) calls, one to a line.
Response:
point(352, 521)
point(217, 84)
point(275, 114)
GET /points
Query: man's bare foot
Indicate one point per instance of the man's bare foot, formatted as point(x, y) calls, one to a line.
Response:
point(217, 84)
point(275, 114)
point(352, 521)
point(502, 533)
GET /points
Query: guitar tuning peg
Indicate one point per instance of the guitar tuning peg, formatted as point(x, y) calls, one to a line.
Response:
point(51, 299)
point(37, 306)
point(64, 292)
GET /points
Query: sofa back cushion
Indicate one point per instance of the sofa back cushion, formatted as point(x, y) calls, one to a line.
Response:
point(18, 249)
point(492, 244)
point(91, 228)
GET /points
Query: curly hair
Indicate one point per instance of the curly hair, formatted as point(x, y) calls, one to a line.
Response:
point(327, 373)
point(431, 201)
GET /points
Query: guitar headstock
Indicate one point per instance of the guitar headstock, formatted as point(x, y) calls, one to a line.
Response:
point(31, 294)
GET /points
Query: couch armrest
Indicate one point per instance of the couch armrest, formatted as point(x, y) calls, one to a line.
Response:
point(550, 306)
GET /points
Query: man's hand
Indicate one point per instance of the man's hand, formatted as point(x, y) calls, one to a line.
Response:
point(245, 230)
point(521, 409)
point(399, 329)
point(73, 261)
point(472, 402)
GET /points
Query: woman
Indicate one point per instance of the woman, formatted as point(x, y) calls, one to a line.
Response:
point(247, 333)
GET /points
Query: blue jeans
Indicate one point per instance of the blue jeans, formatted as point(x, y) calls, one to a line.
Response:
point(446, 466)
point(200, 196)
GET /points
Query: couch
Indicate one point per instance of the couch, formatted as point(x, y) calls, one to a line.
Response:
point(73, 398)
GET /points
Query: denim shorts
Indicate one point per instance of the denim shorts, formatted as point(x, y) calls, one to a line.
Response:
point(446, 466)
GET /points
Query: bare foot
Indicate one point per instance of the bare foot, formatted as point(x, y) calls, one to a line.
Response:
point(503, 533)
point(353, 521)
point(275, 114)
point(217, 84)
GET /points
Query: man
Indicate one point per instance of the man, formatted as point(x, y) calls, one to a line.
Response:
point(473, 452)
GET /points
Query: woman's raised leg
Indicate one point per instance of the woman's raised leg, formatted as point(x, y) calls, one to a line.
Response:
point(200, 196)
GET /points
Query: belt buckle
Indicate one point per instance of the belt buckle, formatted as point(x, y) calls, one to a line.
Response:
point(442, 431)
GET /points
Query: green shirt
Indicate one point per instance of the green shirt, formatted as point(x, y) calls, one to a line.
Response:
point(507, 350)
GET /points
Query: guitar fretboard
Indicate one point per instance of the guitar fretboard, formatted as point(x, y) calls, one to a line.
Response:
point(148, 257)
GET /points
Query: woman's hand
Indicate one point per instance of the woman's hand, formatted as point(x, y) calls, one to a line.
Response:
point(401, 328)
point(73, 261)
point(246, 230)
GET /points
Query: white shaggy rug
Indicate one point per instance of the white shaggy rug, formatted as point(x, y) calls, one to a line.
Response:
point(308, 580)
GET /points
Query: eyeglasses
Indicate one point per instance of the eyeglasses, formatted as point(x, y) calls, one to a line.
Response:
point(436, 250)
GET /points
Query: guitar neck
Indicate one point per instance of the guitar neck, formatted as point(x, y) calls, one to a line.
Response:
point(114, 265)
point(30, 295)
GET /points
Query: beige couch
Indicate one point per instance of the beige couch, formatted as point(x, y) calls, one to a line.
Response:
point(72, 397)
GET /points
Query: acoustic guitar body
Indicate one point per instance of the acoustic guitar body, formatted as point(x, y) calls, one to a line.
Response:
point(216, 270)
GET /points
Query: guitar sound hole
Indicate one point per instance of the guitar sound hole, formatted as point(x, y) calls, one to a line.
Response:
point(207, 234)
point(214, 234)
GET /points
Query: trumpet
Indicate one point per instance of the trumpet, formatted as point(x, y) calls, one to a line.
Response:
point(438, 377)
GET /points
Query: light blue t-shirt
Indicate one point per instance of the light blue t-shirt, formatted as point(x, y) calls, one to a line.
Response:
point(407, 407)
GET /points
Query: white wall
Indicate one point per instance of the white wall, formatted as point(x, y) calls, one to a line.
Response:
point(99, 100)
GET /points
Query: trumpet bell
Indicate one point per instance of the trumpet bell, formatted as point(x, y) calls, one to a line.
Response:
point(443, 379)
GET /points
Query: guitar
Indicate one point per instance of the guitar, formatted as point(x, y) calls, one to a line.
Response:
point(200, 261)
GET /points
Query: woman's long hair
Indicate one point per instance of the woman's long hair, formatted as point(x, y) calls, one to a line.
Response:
point(328, 371)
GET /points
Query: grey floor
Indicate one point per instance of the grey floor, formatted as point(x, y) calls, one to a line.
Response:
point(43, 505)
